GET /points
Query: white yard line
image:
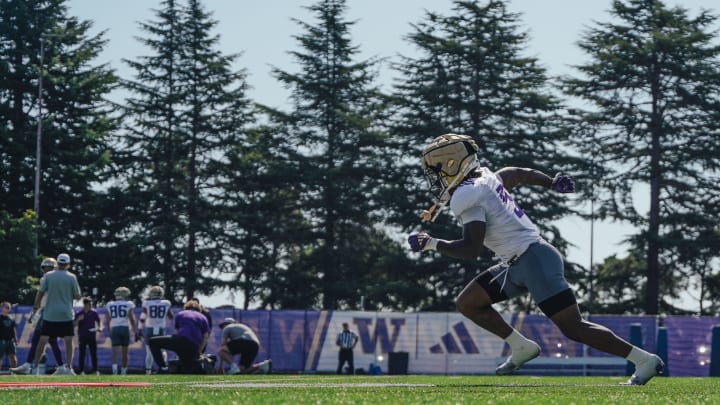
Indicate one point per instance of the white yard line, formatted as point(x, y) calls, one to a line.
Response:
point(304, 385)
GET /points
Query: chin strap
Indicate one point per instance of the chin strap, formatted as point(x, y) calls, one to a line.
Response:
point(440, 203)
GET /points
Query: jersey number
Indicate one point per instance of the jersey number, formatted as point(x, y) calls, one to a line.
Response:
point(118, 311)
point(157, 311)
point(507, 198)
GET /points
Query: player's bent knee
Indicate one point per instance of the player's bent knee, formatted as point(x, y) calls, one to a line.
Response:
point(557, 303)
point(467, 304)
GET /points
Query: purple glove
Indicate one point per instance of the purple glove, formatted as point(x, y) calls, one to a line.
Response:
point(563, 184)
point(418, 241)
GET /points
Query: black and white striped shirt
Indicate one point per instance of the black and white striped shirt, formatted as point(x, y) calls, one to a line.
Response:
point(346, 339)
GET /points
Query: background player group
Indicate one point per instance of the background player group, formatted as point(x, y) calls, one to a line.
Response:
point(53, 317)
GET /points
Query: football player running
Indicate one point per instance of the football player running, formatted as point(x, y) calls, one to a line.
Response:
point(155, 310)
point(120, 319)
point(490, 218)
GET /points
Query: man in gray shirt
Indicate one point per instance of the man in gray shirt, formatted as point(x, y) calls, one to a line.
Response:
point(61, 288)
point(238, 338)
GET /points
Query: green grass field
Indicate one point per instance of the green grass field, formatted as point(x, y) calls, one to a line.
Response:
point(309, 389)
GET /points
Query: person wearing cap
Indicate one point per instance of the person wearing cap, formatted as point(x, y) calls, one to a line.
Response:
point(61, 288)
point(238, 338)
point(49, 264)
point(88, 325)
point(191, 335)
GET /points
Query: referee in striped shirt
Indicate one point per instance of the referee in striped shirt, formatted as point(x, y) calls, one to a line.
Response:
point(347, 340)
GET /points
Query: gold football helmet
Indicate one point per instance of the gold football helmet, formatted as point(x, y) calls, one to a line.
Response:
point(156, 293)
point(446, 162)
point(122, 293)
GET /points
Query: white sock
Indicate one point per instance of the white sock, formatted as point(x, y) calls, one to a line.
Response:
point(114, 368)
point(637, 355)
point(516, 340)
point(124, 370)
point(148, 358)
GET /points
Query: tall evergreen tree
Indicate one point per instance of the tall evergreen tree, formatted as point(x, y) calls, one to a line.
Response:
point(472, 78)
point(188, 106)
point(652, 82)
point(76, 124)
point(335, 123)
point(260, 213)
point(17, 239)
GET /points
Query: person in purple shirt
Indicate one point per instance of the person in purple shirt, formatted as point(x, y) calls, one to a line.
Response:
point(88, 325)
point(191, 335)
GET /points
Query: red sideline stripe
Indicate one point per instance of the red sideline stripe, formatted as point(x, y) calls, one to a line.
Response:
point(26, 384)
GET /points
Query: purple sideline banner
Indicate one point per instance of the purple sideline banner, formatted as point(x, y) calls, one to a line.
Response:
point(620, 324)
point(436, 343)
point(689, 339)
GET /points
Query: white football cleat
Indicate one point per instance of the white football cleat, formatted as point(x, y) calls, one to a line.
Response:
point(23, 369)
point(60, 370)
point(234, 369)
point(265, 366)
point(518, 358)
point(646, 370)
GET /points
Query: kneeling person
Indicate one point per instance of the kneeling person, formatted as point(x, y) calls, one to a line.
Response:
point(238, 338)
point(191, 335)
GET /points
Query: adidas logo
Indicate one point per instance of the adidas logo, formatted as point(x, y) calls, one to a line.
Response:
point(450, 343)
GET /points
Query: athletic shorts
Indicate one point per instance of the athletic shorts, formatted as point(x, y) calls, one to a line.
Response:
point(149, 333)
point(7, 347)
point(539, 270)
point(57, 329)
point(120, 336)
point(247, 349)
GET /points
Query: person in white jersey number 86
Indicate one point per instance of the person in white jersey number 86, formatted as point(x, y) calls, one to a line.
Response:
point(491, 219)
point(121, 324)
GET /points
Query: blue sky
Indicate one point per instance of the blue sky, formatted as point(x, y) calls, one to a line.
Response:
point(262, 30)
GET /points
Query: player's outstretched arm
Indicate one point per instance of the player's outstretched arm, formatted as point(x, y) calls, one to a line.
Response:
point(514, 176)
point(469, 247)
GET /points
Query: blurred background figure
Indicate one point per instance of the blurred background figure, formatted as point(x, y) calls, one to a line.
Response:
point(347, 340)
point(28, 367)
point(155, 312)
point(191, 335)
point(61, 288)
point(238, 338)
point(119, 322)
point(88, 325)
point(8, 335)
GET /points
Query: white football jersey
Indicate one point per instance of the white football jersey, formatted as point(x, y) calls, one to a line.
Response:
point(508, 230)
point(119, 312)
point(157, 311)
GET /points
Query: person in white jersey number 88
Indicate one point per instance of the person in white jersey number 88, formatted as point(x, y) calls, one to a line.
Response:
point(155, 311)
point(480, 200)
point(120, 321)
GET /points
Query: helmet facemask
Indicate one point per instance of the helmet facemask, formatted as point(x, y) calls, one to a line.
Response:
point(47, 265)
point(447, 161)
